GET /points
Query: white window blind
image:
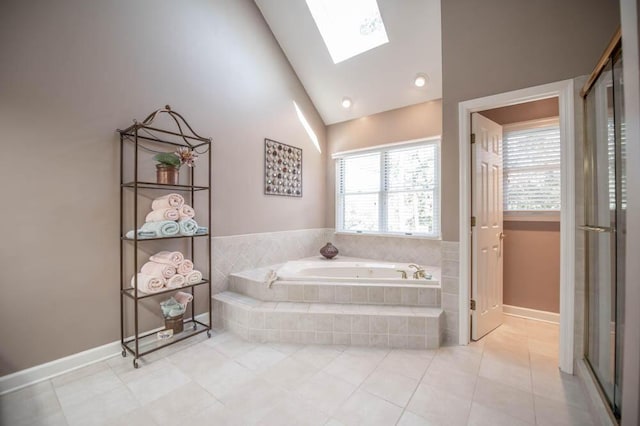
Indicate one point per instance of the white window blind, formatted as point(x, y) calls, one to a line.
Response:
point(531, 164)
point(392, 190)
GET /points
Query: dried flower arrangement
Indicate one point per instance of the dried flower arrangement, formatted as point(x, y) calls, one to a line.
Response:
point(183, 155)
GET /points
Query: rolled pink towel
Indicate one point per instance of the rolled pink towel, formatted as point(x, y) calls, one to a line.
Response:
point(162, 215)
point(173, 258)
point(182, 297)
point(148, 283)
point(168, 201)
point(185, 267)
point(187, 212)
point(158, 270)
point(176, 281)
point(193, 277)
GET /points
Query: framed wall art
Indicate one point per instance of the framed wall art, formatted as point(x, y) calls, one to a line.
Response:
point(282, 169)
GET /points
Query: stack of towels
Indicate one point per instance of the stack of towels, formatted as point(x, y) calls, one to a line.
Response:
point(166, 270)
point(169, 217)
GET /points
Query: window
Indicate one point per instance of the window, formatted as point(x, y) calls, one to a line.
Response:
point(348, 28)
point(531, 161)
point(390, 190)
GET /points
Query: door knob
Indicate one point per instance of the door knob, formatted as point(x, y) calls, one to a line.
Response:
point(501, 236)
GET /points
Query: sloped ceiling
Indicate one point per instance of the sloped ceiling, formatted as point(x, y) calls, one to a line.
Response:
point(378, 80)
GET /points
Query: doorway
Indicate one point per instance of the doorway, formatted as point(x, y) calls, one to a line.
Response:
point(565, 94)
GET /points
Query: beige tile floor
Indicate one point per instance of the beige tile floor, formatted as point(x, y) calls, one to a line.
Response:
point(508, 378)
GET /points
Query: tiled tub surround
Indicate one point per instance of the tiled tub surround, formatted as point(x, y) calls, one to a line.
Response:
point(328, 323)
point(232, 254)
point(406, 315)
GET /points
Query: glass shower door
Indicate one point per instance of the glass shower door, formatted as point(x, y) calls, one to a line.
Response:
point(604, 228)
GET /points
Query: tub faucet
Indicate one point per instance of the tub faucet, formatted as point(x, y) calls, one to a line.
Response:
point(419, 273)
point(403, 274)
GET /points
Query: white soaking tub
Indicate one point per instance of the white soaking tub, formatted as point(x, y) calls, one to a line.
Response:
point(352, 270)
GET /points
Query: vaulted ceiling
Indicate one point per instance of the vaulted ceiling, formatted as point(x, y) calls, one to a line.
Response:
point(378, 80)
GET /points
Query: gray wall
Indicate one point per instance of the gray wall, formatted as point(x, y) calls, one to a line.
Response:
point(398, 125)
point(72, 72)
point(496, 46)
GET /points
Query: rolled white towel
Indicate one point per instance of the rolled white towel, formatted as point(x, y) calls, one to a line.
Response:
point(187, 212)
point(162, 215)
point(193, 277)
point(148, 283)
point(176, 281)
point(182, 297)
point(168, 201)
point(185, 267)
point(173, 258)
point(158, 270)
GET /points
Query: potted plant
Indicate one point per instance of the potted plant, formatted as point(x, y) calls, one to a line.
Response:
point(169, 163)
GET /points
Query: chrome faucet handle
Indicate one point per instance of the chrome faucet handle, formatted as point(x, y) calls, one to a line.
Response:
point(413, 265)
point(403, 273)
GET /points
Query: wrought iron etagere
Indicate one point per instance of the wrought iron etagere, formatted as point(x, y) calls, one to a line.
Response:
point(141, 135)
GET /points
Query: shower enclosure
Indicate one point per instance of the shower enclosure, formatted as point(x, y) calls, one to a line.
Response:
point(605, 222)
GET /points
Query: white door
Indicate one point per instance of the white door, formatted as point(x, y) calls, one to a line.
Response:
point(487, 235)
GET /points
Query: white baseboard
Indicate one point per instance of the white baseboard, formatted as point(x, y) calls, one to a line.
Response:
point(532, 314)
point(48, 370)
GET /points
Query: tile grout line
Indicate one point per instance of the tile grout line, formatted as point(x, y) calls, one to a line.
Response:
point(475, 385)
point(360, 385)
point(404, 409)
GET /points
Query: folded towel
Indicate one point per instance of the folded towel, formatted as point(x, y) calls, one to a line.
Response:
point(193, 277)
point(188, 227)
point(168, 201)
point(187, 212)
point(202, 230)
point(173, 258)
point(185, 267)
point(148, 283)
point(171, 308)
point(141, 234)
point(158, 270)
point(176, 281)
point(182, 297)
point(166, 228)
point(163, 214)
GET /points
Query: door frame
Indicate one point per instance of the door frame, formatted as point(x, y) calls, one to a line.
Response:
point(564, 90)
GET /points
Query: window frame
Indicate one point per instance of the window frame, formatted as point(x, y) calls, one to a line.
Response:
point(530, 215)
point(383, 193)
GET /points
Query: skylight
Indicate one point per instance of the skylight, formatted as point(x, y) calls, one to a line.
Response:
point(348, 27)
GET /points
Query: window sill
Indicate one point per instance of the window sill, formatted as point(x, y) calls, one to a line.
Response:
point(549, 216)
point(382, 234)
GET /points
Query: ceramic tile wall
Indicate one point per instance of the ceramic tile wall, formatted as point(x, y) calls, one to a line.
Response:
point(237, 253)
point(398, 249)
point(450, 289)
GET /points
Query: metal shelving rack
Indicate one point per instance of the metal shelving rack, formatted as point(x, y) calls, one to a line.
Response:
point(139, 135)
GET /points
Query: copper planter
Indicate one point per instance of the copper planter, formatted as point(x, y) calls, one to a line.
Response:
point(167, 175)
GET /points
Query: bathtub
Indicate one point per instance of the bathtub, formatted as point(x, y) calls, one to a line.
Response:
point(351, 270)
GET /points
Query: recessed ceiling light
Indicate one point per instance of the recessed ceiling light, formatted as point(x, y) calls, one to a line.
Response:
point(346, 103)
point(348, 28)
point(421, 80)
